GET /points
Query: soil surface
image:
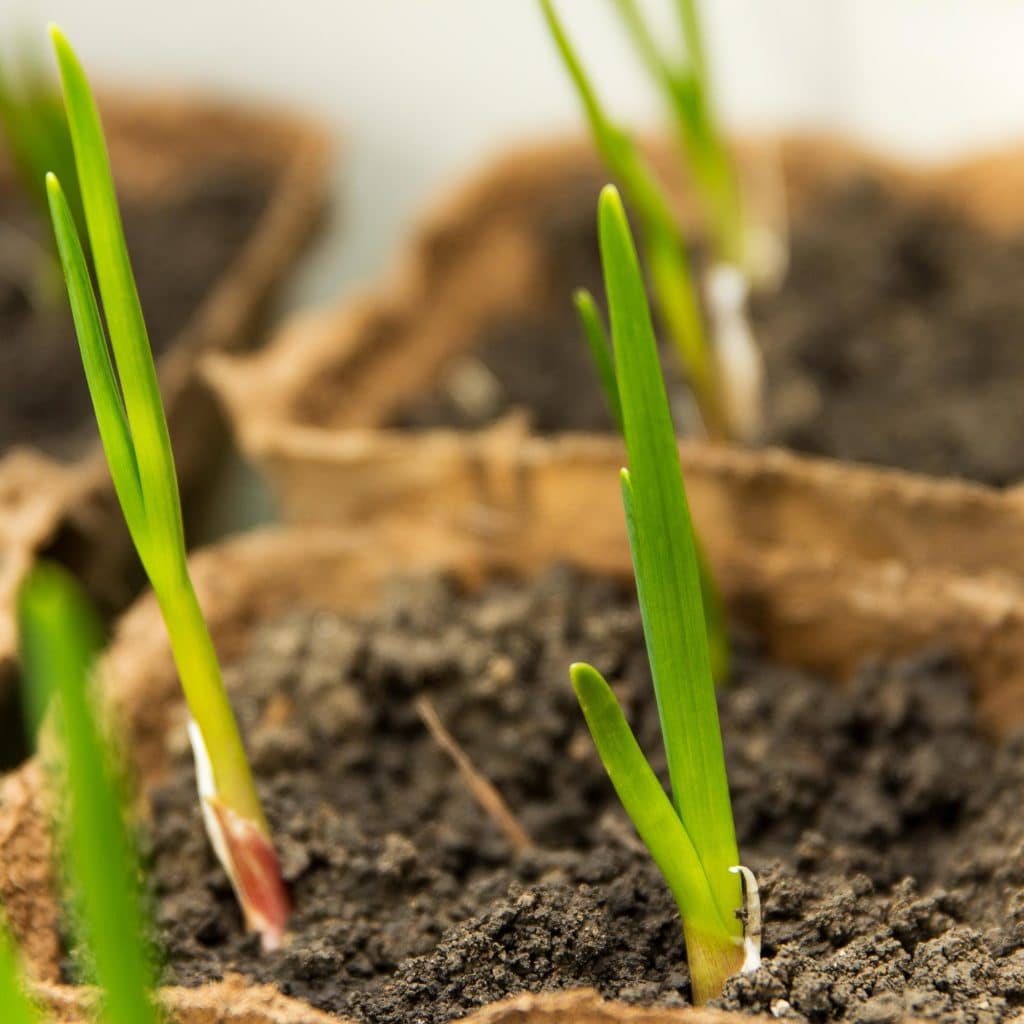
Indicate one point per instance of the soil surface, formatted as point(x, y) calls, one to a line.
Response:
point(179, 245)
point(885, 830)
point(895, 338)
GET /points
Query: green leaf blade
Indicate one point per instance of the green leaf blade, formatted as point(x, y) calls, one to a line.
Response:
point(138, 429)
point(126, 324)
point(607, 135)
point(666, 567)
point(99, 372)
point(644, 800)
point(693, 38)
point(713, 168)
point(666, 248)
point(643, 39)
point(60, 638)
point(600, 350)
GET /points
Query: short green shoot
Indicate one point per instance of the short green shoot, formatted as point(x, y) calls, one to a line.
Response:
point(691, 838)
point(129, 413)
point(687, 90)
point(60, 639)
point(36, 138)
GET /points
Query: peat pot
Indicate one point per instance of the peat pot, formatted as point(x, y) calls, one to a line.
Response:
point(447, 389)
point(841, 791)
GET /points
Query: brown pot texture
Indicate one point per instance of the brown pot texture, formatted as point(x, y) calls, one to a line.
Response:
point(811, 611)
point(309, 409)
point(68, 508)
point(235, 1002)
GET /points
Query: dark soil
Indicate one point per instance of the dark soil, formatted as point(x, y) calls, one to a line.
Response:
point(886, 831)
point(179, 245)
point(895, 339)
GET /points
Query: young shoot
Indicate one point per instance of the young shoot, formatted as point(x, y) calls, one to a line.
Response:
point(126, 400)
point(686, 87)
point(725, 377)
point(59, 639)
point(36, 139)
point(691, 838)
point(665, 248)
point(687, 90)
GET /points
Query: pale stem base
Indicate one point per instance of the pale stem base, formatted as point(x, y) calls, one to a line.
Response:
point(713, 959)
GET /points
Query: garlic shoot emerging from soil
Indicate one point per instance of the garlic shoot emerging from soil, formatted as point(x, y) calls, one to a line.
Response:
point(125, 393)
point(245, 853)
point(690, 836)
point(739, 366)
point(751, 919)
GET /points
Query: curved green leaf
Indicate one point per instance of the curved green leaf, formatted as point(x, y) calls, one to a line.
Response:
point(644, 800)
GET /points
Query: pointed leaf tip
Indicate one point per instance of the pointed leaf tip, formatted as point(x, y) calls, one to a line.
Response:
point(610, 201)
point(60, 43)
point(53, 188)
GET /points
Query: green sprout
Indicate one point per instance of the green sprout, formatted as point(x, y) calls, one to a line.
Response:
point(132, 426)
point(726, 376)
point(687, 89)
point(692, 837)
point(665, 249)
point(37, 138)
point(60, 638)
point(601, 352)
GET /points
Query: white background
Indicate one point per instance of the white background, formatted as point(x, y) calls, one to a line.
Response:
point(422, 90)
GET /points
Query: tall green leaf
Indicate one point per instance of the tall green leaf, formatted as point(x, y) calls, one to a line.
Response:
point(60, 638)
point(666, 249)
point(99, 372)
point(666, 567)
point(125, 322)
point(686, 87)
point(133, 427)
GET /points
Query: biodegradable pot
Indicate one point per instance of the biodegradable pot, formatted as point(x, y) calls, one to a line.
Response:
point(476, 255)
point(312, 408)
point(233, 1002)
point(67, 507)
point(823, 612)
